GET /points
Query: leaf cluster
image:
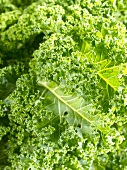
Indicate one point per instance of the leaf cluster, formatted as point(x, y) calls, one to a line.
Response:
point(63, 77)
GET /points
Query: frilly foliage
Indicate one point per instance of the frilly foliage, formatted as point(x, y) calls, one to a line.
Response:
point(63, 77)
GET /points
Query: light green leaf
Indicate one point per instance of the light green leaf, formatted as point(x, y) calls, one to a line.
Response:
point(76, 110)
point(113, 76)
point(107, 70)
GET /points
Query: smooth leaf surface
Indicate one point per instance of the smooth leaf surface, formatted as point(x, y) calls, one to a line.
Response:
point(76, 110)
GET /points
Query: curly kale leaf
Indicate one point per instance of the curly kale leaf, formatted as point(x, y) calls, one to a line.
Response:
point(8, 78)
point(68, 108)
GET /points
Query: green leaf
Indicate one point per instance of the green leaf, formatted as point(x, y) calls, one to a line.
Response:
point(8, 18)
point(106, 69)
point(8, 78)
point(77, 111)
